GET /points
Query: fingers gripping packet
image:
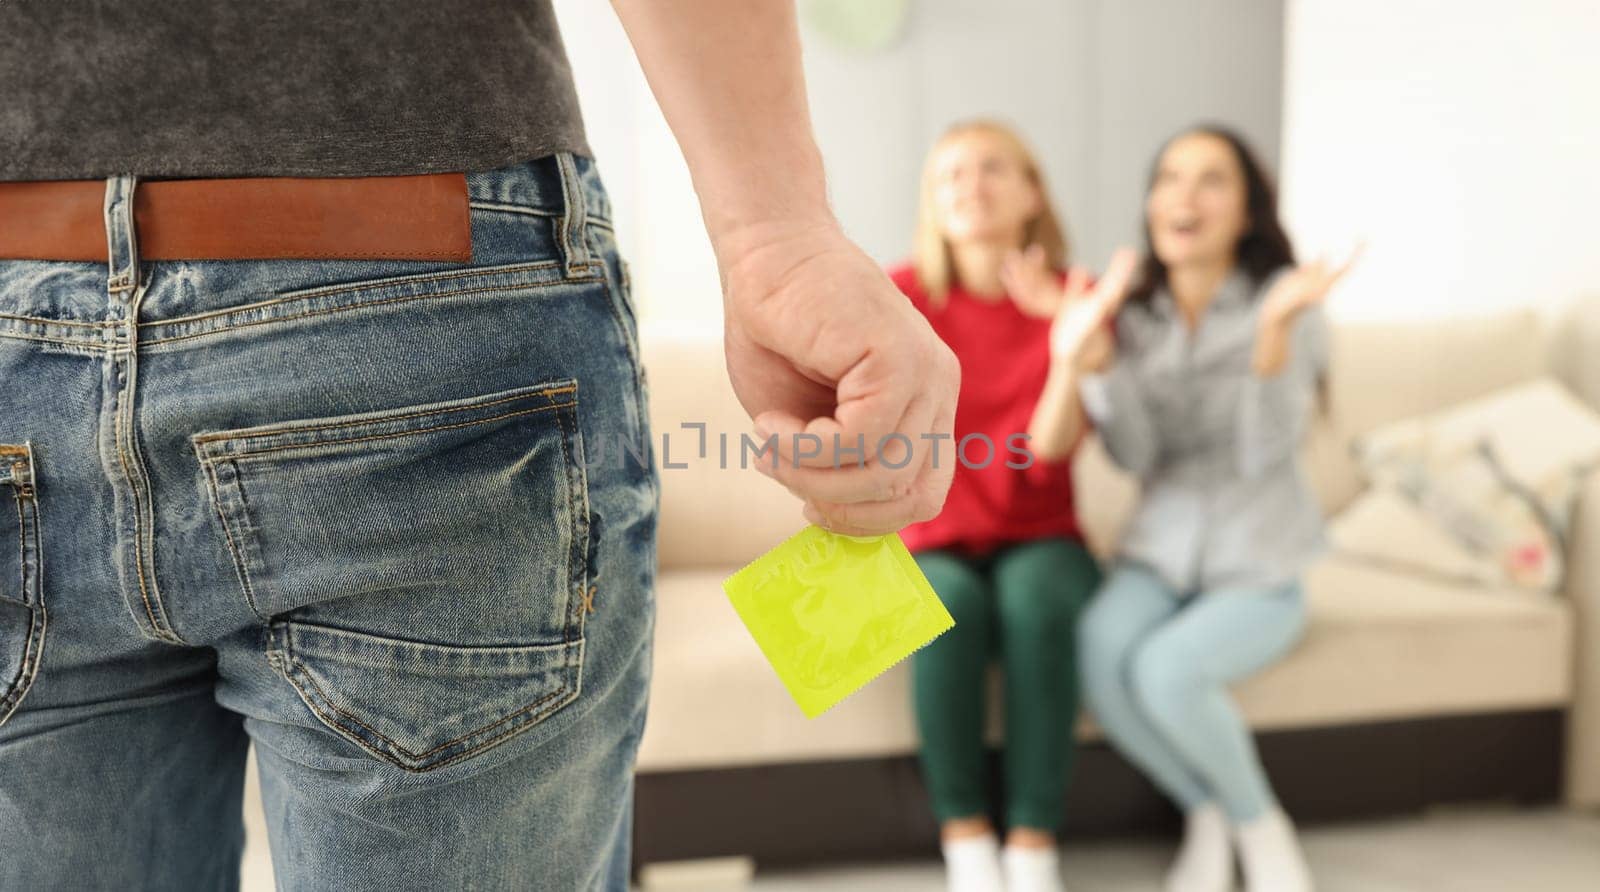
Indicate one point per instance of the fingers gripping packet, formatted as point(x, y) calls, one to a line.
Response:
point(832, 612)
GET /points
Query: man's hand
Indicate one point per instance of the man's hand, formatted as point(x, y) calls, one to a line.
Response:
point(819, 342)
point(818, 339)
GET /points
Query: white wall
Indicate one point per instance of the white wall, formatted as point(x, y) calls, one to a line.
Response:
point(1460, 139)
point(1093, 84)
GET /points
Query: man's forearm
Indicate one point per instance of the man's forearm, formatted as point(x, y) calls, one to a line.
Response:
point(728, 78)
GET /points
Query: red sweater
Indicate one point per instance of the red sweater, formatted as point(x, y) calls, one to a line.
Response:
point(1005, 358)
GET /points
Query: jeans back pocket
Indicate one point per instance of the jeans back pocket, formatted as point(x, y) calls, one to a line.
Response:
point(422, 571)
point(22, 613)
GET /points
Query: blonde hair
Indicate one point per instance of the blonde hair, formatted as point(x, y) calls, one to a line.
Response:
point(931, 252)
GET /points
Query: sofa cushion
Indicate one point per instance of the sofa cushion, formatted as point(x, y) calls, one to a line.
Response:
point(715, 510)
point(1380, 645)
point(1496, 475)
point(1385, 528)
point(1391, 645)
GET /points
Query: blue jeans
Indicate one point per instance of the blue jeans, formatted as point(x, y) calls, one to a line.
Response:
point(1156, 667)
point(350, 511)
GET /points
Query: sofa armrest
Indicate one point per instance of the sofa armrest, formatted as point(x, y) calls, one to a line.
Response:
point(1582, 589)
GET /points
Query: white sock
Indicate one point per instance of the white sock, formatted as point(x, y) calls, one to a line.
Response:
point(972, 864)
point(1271, 855)
point(1205, 859)
point(1032, 869)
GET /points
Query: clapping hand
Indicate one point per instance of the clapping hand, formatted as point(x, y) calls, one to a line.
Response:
point(1080, 333)
point(1304, 286)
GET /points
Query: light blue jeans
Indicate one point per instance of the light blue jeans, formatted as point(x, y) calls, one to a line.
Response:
point(350, 510)
point(1155, 669)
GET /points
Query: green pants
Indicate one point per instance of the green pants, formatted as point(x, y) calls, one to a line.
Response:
point(1021, 604)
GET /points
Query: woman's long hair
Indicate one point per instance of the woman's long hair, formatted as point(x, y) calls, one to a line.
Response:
point(1262, 250)
point(931, 253)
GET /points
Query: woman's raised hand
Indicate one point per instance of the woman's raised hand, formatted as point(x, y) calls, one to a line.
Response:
point(1031, 283)
point(1081, 333)
point(1305, 285)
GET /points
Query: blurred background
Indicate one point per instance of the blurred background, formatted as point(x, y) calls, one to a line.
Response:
point(1432, 731)
point(1457, 138)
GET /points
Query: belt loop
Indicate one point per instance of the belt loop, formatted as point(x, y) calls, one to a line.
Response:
point(575, 208)
point(122, 239)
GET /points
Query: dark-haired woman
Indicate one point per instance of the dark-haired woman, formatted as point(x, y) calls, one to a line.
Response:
point(1203, 396)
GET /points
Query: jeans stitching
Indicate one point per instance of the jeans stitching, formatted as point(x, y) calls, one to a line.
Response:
point(73, 322)
point(405, 433)
point(156, 626)
point(589, 218)
point(144, 508)
point(84, 348)
point(513, 208)
point(547, 392)
point(565, 221)
point(160, 628)
point(295, 668)
point(577, 491)
point(29, 667)
point(320, 291)
point(239, 561)
point(209, 466)
point(577, 501)
point(341, 255)
point(390, 281)
point(22, 552)
point(617, 296)
point(595, 275)
point(574, 214)
point(33, 643)
point(370, 303)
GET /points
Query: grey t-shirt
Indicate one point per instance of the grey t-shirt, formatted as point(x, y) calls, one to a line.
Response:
point(224, 88)
point(1223, 499)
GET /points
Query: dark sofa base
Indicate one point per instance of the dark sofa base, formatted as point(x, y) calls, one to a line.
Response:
point(877, 809)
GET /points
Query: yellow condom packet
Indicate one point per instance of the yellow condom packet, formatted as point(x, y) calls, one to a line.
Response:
point(832, 612)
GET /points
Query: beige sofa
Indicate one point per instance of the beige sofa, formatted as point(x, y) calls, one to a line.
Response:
point(1382, 646)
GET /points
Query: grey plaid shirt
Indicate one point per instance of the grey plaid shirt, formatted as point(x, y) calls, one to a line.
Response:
point(1224, 502)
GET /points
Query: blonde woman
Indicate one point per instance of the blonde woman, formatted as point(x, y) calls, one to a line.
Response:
point(1005, 554)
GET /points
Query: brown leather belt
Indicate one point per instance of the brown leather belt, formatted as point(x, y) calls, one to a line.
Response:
point(412, 217)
